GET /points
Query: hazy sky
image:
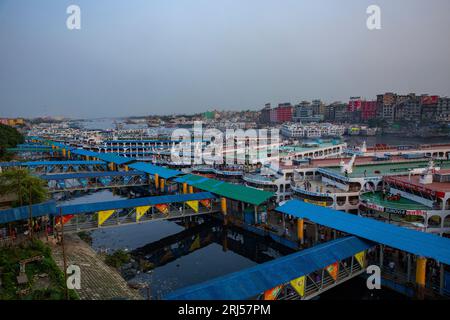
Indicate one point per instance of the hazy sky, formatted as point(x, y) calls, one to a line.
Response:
point(140, 57)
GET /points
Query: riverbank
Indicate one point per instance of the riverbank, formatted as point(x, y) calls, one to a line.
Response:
point(98, 280)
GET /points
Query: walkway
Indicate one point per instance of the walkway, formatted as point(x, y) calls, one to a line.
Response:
point(251, 282)
point(415, 242)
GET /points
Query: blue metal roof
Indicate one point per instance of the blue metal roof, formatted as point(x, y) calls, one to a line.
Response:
point(114, 158)
point(412, 241)
point(66, 176)
point(48, 163)
point(152, 169)
point(50, 207)
point(83, 152)
point(131, 203)
point(23, 213)
point(32, 145)
point(250, 282)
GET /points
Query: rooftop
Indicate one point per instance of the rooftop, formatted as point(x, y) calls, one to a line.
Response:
point(414, 182)
point(384, 169)
point(415, 242)
point(402, 204)
point(228, 190)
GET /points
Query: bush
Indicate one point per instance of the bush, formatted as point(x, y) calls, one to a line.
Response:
point(9, 263)
point(117, 259)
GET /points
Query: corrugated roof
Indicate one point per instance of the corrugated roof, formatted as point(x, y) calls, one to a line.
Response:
point(152, 169)
point(23, 213)
point(255, 280)
point(228, 190)
point(108, 157)
point(48, 163)
point(114, 158)
point(416, 242)
point(50, 207)
point(66, 176)
point(83, 152)
point(131, 203)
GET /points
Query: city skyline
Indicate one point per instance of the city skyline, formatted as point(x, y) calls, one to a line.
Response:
point(192, 57)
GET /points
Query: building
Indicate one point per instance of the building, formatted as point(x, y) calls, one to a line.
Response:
point(309, 112)
point(284, 112)
point(354, 104)
point(368, 110)
point(435, 109)
point(409, 109)
point(273, 116)
point(318, 107)
point(12, 122)
point(265, 114)
point(386, 106)
point(299, 130)
point(340, 112)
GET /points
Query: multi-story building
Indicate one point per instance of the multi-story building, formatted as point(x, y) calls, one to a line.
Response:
point(386, 106)
point(409, 109)
point(307, 112)
point(273, 116)
point(368, 110)
point(436, 109)
point(443, 110)
point(318, 107)
point(340, 112)
point(354, 104)
point(284, 112)
point(265, 114)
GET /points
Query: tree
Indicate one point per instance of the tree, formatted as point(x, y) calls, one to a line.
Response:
point(28, 188)
point(9, 138)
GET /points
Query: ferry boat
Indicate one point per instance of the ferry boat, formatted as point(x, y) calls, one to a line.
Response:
point(339, 183)
point(419, 200)
point(435, 151)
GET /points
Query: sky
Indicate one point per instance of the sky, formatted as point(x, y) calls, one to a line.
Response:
point(154, 57)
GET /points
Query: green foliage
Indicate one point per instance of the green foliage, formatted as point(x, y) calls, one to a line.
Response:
point(85, 236)
point(9, 138)
point(9, 266)
point(29, 189)
point(117, 259)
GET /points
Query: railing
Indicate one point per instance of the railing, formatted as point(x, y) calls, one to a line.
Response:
point(314, 288)
point(90, 222)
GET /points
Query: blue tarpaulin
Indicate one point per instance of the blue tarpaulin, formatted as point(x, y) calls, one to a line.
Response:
point(412, 241)
point(250, 282)
point(23, 213)
point(49, 163)
point(87, 153)
point(152, 170)
point(99, 174)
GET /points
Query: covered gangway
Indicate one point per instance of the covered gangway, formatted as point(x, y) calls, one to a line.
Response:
point(253, 281)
